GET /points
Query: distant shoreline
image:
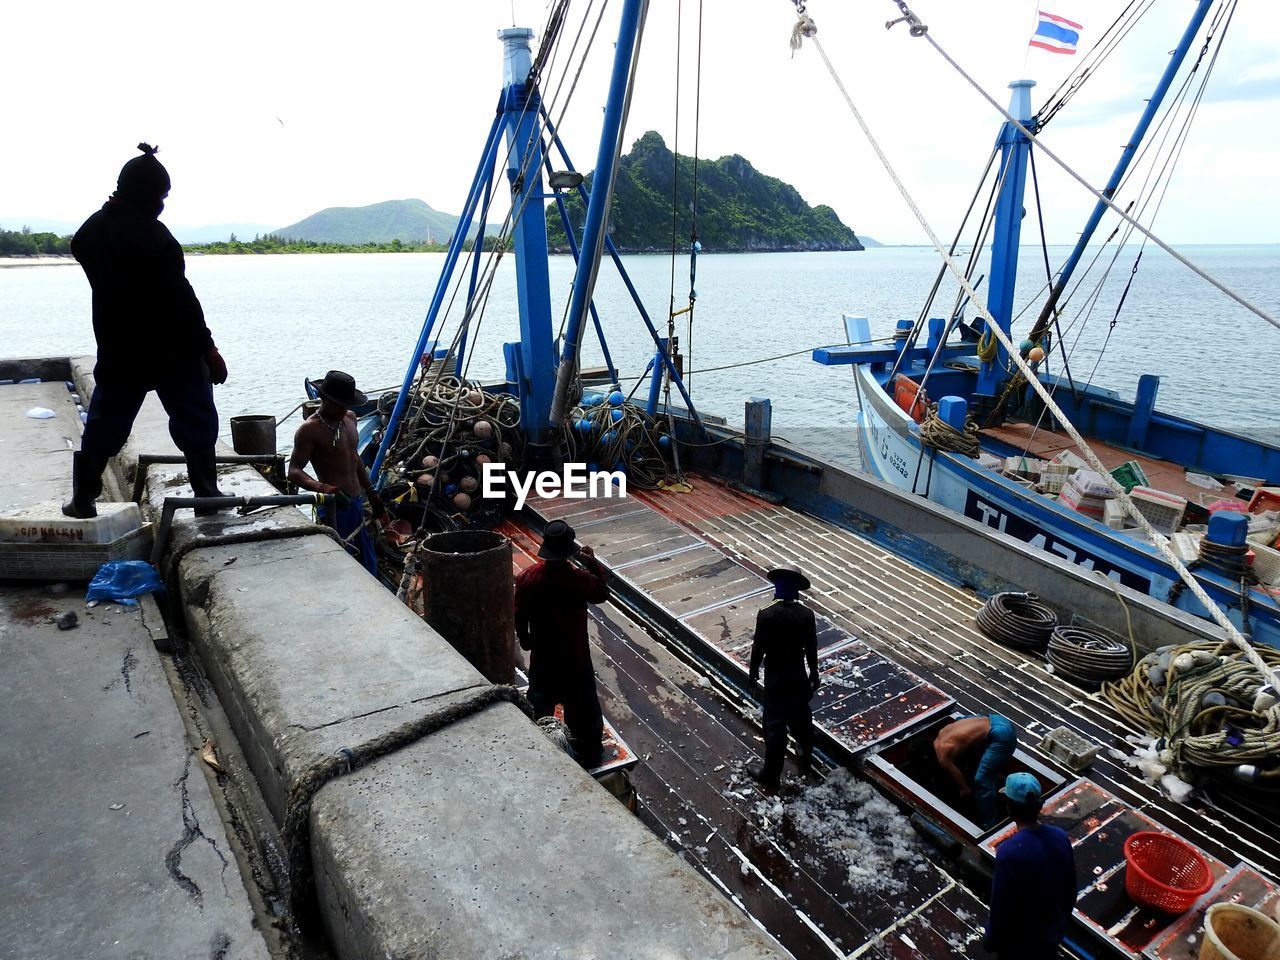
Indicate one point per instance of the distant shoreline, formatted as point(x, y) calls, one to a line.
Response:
point(43, 260)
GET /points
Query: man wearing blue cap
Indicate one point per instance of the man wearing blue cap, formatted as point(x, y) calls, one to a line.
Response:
point(786, 639)
point(1034, 889)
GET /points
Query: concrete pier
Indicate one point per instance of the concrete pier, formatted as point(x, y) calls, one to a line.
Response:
point(481, 840)
point(112, 844)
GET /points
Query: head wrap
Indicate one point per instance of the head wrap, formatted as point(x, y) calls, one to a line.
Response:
point(143, 180)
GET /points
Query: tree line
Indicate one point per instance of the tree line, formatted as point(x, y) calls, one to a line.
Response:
point(24, 243)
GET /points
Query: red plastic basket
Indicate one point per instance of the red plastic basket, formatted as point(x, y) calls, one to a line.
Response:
point(1164, 872)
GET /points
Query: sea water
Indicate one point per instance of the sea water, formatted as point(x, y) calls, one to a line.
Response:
point(281, 318)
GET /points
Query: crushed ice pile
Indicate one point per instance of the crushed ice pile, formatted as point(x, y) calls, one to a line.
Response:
point(849, 818)
point(1153, 763)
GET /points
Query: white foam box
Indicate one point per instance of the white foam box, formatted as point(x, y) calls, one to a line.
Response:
point(1163, 510)
point(1069, 460)
point(39, 543)
point(1113, 514)
point(1186, 546)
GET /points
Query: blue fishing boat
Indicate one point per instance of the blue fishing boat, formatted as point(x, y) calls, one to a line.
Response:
point(947, 414)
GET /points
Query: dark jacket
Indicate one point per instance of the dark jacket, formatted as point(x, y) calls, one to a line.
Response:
point(786, 637)
point(145, 314)
point(551, 613)
point(1032, 894)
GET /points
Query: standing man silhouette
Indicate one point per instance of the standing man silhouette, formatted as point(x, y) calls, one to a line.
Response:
point(786, 639)
point(151, 335)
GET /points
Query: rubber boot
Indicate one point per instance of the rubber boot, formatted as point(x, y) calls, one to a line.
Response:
point(757, 773)
point(202, 473)
point(86, 484)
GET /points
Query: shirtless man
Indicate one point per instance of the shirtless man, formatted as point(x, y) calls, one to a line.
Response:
point(327, 441)
point(995, 736)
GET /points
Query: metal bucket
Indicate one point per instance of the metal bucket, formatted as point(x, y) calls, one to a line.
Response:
point(469, 597)
point(1233, 932)
point(253, 435)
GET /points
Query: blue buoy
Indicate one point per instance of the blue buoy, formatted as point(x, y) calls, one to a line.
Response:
point(450, 489)
point(616, 398)
point(608, 436)
point(664, 441)
point(592, 400)
point(616, 415)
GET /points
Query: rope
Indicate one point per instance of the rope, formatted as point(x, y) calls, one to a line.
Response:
point(937, 434)
point(1207, 711)
point(295, 832)
point(1097, 194)
point(1157, 539)
point(1017, 620)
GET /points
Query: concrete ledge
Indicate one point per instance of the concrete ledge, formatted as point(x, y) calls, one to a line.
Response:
point(484, 840)
point(308, 653)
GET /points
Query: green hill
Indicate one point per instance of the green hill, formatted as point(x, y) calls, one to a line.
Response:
point(739, 208)
point(409, 221)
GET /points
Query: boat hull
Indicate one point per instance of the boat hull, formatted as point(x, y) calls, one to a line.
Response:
point(891, 450)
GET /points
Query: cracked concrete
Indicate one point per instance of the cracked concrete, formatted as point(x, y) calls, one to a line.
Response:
point(111, 842)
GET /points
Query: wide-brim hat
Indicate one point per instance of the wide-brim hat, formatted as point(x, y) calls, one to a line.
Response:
point(788, 577)
point(558, 541)
point(339, 388)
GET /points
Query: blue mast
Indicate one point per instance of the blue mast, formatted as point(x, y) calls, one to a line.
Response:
point(521, 106)
point(1015, 149)
point(593, 231)
point(1126, 157)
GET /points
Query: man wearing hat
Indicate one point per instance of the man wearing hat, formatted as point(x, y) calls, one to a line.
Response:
point(551, 623)
point(786, 639)
point(1034, 888)
point(327, 441)
point(151, 335)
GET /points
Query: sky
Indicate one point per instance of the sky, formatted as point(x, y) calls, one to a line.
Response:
point(266, 112)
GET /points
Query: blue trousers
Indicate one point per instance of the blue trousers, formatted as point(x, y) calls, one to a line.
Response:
point(1001, 742)
point(349, 517)
point(185, 392)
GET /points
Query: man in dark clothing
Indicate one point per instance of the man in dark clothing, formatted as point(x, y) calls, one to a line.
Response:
point(1034, 890)
point(151, 335)
point(551, 623)
point(786, 639)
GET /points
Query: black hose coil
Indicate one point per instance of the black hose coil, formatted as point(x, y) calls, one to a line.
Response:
point(1017, 620)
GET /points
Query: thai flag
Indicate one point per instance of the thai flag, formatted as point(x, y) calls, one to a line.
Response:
point(1056, 34)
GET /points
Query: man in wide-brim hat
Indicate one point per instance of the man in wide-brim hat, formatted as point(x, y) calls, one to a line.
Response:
point(551, 623)
point(327, 441)
point(786, 640)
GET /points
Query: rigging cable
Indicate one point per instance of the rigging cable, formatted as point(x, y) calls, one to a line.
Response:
point(1121, 495)
point(1199, 271)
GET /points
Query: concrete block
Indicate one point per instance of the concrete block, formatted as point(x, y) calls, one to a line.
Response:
point(485, 841)
point(308, 653)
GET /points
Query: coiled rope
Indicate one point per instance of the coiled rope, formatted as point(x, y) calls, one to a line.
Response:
point(937, 434)
point(1017, 620)
point(1088, 656)
point(1168, 695)
point(1157, 539)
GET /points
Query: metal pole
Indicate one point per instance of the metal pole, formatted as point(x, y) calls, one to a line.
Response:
point(483, 173)
point(593, 233)
point(1126, 157)
point(595, 315)
point(655, 385)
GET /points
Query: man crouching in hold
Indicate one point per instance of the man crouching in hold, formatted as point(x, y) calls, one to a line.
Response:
point(551, 623)
point(327, 441)
point(786, 639)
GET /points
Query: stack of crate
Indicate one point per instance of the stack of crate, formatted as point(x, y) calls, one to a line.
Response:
point(1086, 492)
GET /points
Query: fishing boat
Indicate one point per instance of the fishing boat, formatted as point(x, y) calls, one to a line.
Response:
point(945, 413)
point(899, 584)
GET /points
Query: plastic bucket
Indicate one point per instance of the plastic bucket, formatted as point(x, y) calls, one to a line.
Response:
point(1233, 932)
point(253, 435)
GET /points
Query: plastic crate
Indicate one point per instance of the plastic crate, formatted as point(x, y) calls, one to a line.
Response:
point(1071, 748)
point(1130, 474)
point(1266, 564)
point(1162, 510)
point(67, 561)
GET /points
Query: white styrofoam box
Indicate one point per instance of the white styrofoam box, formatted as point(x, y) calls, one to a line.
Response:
point(45, 523)
point(1113, 514)
point(1069, 460)
point(1186, 546)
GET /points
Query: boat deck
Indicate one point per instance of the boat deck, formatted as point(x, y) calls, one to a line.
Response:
point(1044, 443)
point(700, 555)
